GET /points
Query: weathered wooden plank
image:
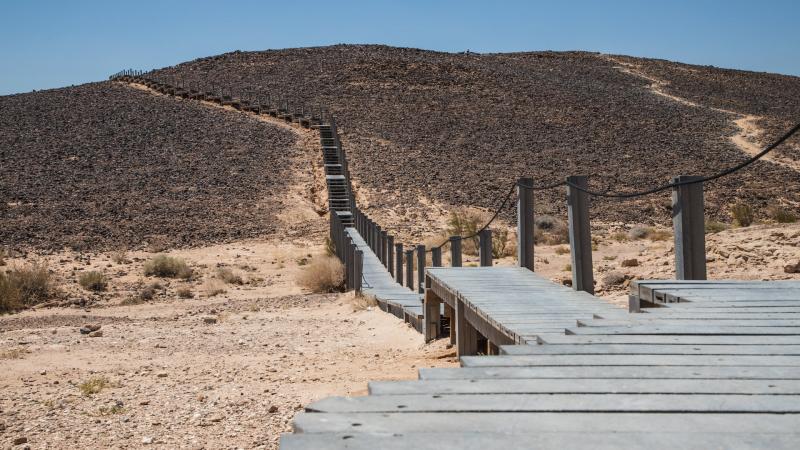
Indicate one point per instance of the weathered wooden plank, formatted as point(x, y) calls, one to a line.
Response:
point(577, 441)
point(730, 403)
point(650, 349)
point(619, 372)
point(501, 422)
point(629, 360)
point(669, 339)
point(685, 330)
point(585, 386)
point(669, 321)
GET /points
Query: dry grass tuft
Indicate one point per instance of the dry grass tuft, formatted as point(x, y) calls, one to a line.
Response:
point(93, 386)
point(779, 214)
point(93, 281)
point(14, 353)
point(562, 250)
point(120, 257)
point(713, 226)
point(363, 302)
point(228, 276)
point(324, 274)
point(214, 288)
point(23, 287)
point(167, 267)
point(185, 292)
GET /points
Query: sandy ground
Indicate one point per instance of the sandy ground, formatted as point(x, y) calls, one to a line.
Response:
point(173, 380)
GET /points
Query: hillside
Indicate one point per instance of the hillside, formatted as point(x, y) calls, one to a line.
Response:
point(106, 166)
point(456, 128)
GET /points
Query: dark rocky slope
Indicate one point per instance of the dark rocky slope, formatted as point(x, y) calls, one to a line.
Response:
point(460, 127)
point(106, 166)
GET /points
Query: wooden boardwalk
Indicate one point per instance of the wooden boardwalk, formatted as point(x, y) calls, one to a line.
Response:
point(704, 365)
point(378, 282)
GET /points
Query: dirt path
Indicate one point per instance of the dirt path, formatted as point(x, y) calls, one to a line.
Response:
point(746, 139)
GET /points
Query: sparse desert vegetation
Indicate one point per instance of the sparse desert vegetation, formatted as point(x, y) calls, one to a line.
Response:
point(25, 286)
point(324, 274)
point(167, 267)
point(93, 281)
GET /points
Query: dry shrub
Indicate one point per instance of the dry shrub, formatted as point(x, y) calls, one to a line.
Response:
point(93, 386)
point(660, 235)
point(467, 222)
point(640, 232)
point(501, 243)
point(562, 250)
point(23, 287)
point(228, 276)
point(778, 214)
point(167, 267)
point(93, 281)
point(630, 262)
point(185, 292)
point(568, 268)
point(213, 288)
point(742, 214)
point(324, 274)
point(363, 302)
point(120, 257)
point(713, 226)
point(619, 236)
point(330, 247)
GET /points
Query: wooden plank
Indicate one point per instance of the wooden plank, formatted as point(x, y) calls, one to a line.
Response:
point(545, 422)
point(585, 386)
point(629, 360)
point(730, 403)
point(684, 330)
point(669, 321)
point(577, 441)
point(650, 349)
point(617, 372)
point(669, 339)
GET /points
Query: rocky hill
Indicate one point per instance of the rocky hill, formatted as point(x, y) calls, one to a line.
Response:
point(106, 164)
point(459, 127)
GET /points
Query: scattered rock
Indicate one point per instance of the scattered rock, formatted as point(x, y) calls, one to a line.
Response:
point(209, 320)
point(630, 262)
point(96, 334)
point(147, 440)
point(792, 268)
point(273, 409)
point(162, 375)
point(21, 440)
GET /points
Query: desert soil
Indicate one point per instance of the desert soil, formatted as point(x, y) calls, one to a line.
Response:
point(173, 380)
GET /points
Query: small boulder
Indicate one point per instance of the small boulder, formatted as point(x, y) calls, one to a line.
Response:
point(633, 262)
point(210, 320)
point(792, 268)
point(96, 334)
point(614, 279)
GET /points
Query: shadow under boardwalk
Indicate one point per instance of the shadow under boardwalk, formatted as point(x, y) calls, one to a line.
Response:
point(378, 282)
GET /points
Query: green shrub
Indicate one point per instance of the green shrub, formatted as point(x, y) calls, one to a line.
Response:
point(467, 222)
point(167, 267)
point(500, 241)
point(742, 214)
point(93, 281)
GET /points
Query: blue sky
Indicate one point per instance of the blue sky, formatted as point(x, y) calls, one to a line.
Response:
point(46, 44)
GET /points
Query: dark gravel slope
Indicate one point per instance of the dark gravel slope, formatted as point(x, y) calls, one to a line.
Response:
point(107, 166)
point(459, 127)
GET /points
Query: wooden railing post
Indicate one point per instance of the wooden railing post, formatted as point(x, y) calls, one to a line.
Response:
point(421, 268)
point(398, 248)
point(436, 256)
point(485, 247)
point(580, 238)
point(689, 226)
point(358, 269)
point(384, 247)
point(455, 251)
point(525, 223)
point(349, 250)
point(390, 254)
point(410, 269)
point(379, 243)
